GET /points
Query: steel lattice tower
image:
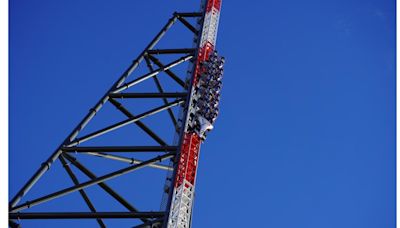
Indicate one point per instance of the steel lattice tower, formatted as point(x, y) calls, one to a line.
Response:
point(192, 111)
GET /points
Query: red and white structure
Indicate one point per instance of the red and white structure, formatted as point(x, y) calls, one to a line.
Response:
point(190, 115)
point(185, 177)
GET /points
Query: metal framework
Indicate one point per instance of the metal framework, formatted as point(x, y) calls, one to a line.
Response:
point(177, 158)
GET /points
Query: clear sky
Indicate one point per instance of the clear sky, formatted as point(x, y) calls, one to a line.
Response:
point(306, 134)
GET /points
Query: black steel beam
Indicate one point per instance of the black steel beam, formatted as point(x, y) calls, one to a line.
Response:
point(161, 90)
point(188, 25)
point(149, 95)
point(153, 42)
point(139, 123)
point(131, 161)
point(191, 14)
point(85, 215)
point(152, 74)
point(13, 224)
point(82, 192)
point(171, 51)
point(151, 224)
point(120, 149)
point(168, 72)
point(124, 123)
point(89, 183)
point(104, 186)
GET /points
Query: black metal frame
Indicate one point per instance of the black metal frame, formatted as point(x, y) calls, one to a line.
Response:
point(68, 151)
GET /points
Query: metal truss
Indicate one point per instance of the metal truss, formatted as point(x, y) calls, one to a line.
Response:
point(163, 153)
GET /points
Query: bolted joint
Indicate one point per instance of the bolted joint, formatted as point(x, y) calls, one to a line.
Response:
point(47, 164)
point(93, 110)
point(136, 61)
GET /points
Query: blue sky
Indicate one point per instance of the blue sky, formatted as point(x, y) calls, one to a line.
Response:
point(306, 132)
